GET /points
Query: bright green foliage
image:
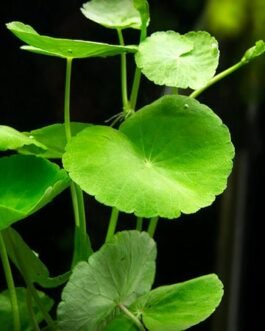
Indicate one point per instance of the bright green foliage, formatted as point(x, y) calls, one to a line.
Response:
point(254, 51)
point(170, 157)
point(12, 139)
point(23, 257)
point(6, 317)
point(143, 7)
point(53, 137)
point(122, 270)
point(27, 183)
point(116, 14)
point(121, 323)
point(171, 59)
point(65, 48)
point(180, 306)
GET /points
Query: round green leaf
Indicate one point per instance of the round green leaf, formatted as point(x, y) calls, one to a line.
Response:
point(168, 58)
point(65, 48)
point(116, 14)
point(170, 157)
point(27, 183)
point(180, 306)
point(53, 137)
point(11, 139)
point(6, 316)
point(122, 270)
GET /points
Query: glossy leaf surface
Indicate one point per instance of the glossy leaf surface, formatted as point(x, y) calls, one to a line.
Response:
point(171, 59)
point(65, 48)
point(122, 270)
point(172, 156)
point(180, 306)
point(53, 137)
point(116, 14)
point(6, 316)
point(27, 183)
point(11, 139)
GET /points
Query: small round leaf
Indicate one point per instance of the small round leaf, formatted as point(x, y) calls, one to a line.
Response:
point(172, 156)
point(27, 183)
point(171, 59)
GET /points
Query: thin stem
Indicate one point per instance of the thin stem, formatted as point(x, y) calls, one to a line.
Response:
point(139, 224)
point(217, 78)
point(82, 242)
point(112, 223)
point(131, 316)
point(10, 284)
point(34, 322)
point(137, 76)
point(152, 226)
point(124, 89)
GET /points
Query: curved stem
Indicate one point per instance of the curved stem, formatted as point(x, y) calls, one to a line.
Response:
point(124, 89)
point(131, 316)
point(139, 224)
point(152, 226)
point(137, 76)
point(10, 284)
point(112, 223)
point(82, 242)
point(217, 78)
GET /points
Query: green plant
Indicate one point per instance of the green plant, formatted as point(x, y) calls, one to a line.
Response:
point(170, 157)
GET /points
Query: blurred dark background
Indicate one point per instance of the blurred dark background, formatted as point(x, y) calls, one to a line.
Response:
point(226, 238)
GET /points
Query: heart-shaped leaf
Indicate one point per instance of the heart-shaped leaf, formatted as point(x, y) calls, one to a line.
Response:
point(180, 306)
point(6, 316)
point(11, 139)
point(168, 58)
point(53, 137)
point(115, 14)
point(23, 257)
point(27, 183)
point(172, 156)
point(122, 270)
point(65, 48)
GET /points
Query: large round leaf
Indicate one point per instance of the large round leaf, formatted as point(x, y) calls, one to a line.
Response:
point(27, 183)
point(168, 58)
point(65, 48)
point(122, 270)
point(116, 14)
point(172, 156)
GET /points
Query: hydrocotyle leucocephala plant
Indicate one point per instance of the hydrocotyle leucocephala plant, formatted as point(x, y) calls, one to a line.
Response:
point(159, 160)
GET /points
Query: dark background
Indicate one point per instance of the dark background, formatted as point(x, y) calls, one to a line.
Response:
point(226, 238)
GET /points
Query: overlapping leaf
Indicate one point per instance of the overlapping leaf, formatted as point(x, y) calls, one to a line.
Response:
point(27, 183)
point(6, 315)
point(172, 156)
point(122, 270)
point(171, 59)
point(65, 48)
point(116, 14)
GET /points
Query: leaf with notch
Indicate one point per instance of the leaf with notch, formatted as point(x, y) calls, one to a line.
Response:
point(64, 48)
point(171, 59)
point(122, 270)
point(172, 156)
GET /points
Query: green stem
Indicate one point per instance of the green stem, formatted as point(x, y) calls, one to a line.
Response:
point(132, 317)
point(10, 284)
point(82, 242)
point(137, 76)
point(124, 89)
point(34, 322)
point(152, 226)
point(217, 78)
point(139, 224)
point(112, 223)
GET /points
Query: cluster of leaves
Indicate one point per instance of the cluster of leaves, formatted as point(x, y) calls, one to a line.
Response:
point(170, 157)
